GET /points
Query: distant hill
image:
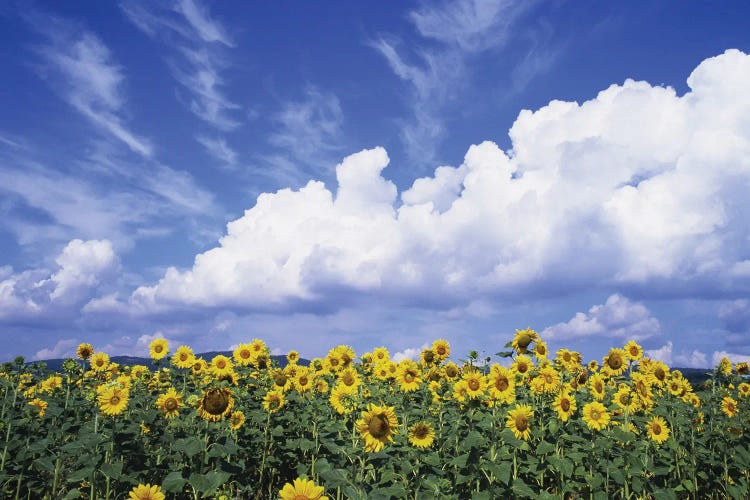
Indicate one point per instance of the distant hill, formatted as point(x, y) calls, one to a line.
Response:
point(56, 364)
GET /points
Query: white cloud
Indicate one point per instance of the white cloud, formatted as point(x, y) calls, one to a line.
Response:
point(733, 357)
point(411, 353)
point(195, 39)
point(685, 359)
point(618, 317)
point(80, 66)
point(64, 348)
point(735, 315)
point(219, 149)
point(82, 266)
point(462, 28)
point(636, 189)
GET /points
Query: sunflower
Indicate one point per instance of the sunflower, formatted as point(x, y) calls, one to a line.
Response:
point(243, 355)
point(349, 379)
point(502, 386)
point(596, 415)
point(475, 384)
point(281, 381)
point(274, 401)
point(427, 357)
point(342, 400)
point(522, 340)
point(657, 429)
point(675, 386)
point(522, 365)
point(597, 386)
point(158, 348)
point(146, 492)
point(99, 362)
point(380, 355)
point(518, 421)
point(85, 351)
point(725, 366)
point(742, 368)
point(593, 366)
point(381, 371)
point(184, 357)
point(113, 400)
point(614, 362)
point(170, 403)
point(200, 366)
point(729, 407)
point(236, 419)
point(215, 404)
point(321, 385)
point(633, 351)
point(40, 405)
point(304, 381)
point(302, 489)
point(377, 426)
point(451, 370)
point(564, 405)
point(743, 390)
point(421, 435)
point(625, 400)
point(408, 376)
point(221, 366)
point(292, 357)
point(442, 350)
point(540, 350)
point(460, 391)
point(548, 381)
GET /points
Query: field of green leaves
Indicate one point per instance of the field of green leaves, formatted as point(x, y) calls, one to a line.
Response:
point(532, 424)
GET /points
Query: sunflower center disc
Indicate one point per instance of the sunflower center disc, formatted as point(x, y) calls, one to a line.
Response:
point(522, 423)
point(378, 426)
point(474, 384)
point(565, 405)
point(501, 384)
point(171, 404)
point(656, 429)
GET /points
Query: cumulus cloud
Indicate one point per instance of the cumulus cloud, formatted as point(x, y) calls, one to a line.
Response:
point(82, 266)
point(618, 317)
point(733, 357)
point(637, 189)
point(666, 354)
point(411, 353)
point(735, 315)
point(64, 348)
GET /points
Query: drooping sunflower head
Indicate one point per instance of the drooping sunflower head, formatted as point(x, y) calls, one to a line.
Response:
point(302, 489)
point(519, 421)
point(657, 429)
point(158, 348)
point(743, 390)
point(421, 435)
point(725, 366)
point(215, 404)
point(40, 405)
point(742, 368)
point(85, 351)
point(377, 426)
point(523, 339)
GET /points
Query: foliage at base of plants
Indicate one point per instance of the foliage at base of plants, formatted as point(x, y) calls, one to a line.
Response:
point(528, 425)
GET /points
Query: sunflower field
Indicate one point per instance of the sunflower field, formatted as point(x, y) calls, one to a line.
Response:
point(530, 425)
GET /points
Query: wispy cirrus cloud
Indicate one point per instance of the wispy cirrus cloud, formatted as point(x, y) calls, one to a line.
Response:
point(438, 68)
point(78, 65)
point(218, 148)
point(196, 42)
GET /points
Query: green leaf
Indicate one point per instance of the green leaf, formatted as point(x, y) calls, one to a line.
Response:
point(174, 482)
point(617, 476)
point(81, 474)
point(333, 478)
point(504, 354)
point(72, 494)
point(208, 483)
point(501, 471)
point(112, 471)
point(45, 464)
point(522, 489)
point(191, 446)
point(460, 460)
point(545, 447)
point(665, 494)
point(473, 440)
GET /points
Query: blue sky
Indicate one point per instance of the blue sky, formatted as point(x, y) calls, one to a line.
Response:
point(348, 172)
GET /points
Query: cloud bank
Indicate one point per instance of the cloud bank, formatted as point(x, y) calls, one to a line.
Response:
point(638, 188)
